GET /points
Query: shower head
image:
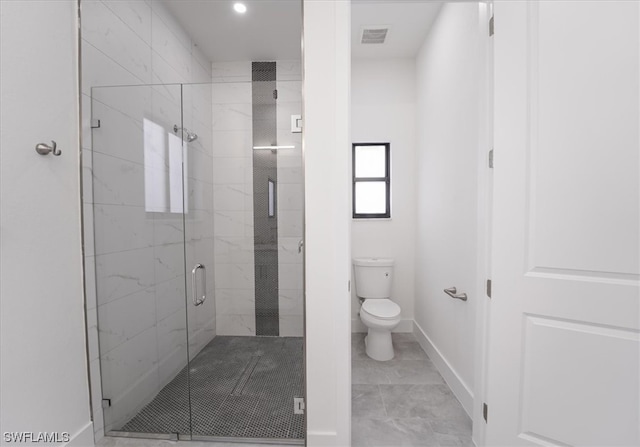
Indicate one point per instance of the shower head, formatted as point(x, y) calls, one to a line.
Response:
point(190, 136)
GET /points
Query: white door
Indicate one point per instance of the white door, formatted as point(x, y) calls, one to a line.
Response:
point(563, 355)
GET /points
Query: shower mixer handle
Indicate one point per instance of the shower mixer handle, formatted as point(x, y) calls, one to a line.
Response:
point(194, 284)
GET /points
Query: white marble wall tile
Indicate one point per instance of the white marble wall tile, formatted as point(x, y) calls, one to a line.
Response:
point(291, 326)
point(290, 197)
point(232, 93)
point(168, 261)
point(232, 197)
point(230, 170)
point(89, 241)
point(235, 302)
point(283, 120)
point(289, 70)
point(168, 228)
point(200, 59)
point(169, 47)
point(199, 164)
point(199, 225)
point(127, 143)
point(122, 319)
point(98, 69)
point(290, 92)
point(109, 34)
point(288, 250)
point(128, 190)
point(170, 297)
point(160, 12)
point(232, 117)
point(290, 223)
point(232, 143)
point(164, 73)
point(236, 325)
point(123, 273)
point(135, 14)
point(231, 71)
point(230, 223)
point(135, 359)
point(172, 334)
point(235, 276)
point(289, 175)
point(133, 102)
point(120, 228)
point(171, 364)
point(290, 276)
point(234, 250)
point(290, 301)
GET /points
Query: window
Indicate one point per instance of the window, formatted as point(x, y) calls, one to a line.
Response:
point(371, 180)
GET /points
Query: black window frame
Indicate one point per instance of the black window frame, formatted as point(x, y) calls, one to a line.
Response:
point(386, 179)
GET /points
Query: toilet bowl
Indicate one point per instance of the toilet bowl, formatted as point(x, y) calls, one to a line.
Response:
point(380, 316)
point(378, 312)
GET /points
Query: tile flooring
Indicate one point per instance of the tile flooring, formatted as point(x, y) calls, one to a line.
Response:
point(405, 401)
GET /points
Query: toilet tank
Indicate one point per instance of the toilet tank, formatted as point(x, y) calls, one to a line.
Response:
point(373, 277)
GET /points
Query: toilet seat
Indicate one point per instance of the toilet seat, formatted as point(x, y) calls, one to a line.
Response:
point(384, 308)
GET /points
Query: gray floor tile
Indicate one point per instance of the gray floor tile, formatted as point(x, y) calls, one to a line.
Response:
point(407, 372)
point(403, 337)
point(408, 350)
point(372, 432)
point(369, 372)
point(454, 440)
point(366, 401)
point(433, 402)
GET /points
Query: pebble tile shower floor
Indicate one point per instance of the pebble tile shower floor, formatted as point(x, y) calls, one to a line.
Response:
point(240, 387)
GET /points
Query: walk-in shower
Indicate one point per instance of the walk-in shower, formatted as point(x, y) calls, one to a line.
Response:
point(197, 267)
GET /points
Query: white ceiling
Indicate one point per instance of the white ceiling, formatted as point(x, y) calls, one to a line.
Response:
point(408, 22)
point(269, 30)
point(272, 29)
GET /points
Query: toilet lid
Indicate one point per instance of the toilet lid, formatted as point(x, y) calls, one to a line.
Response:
point(381, 308)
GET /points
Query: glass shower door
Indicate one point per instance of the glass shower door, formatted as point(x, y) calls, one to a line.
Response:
point(138, 218)
point(243, 229)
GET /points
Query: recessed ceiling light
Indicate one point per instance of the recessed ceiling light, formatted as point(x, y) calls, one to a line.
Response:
point(240, 8)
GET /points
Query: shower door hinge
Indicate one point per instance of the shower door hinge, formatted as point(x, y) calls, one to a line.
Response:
point(95, 124)
point(106, 403)
point(491, 158)
point(298, 405)
point(485, 411)
point(491, 26)
point(489, 288)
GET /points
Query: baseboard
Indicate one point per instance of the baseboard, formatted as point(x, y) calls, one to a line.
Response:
point(322, 438)
point(83, 438)
point(457, 385)
point(404, 326)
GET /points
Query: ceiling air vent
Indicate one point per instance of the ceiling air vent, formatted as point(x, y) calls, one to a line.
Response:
point(374, 34)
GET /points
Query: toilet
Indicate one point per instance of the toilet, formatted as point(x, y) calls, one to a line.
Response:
point(378, 313)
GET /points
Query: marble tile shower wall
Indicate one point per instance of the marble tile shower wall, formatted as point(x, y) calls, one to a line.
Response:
point(233, 198)
point(135, 276)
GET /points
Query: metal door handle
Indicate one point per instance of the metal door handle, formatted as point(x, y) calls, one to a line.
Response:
point(194, 285)
point(453, 293)
point(45, 149)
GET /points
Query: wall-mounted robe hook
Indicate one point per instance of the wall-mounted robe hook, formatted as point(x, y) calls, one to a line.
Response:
point(44, 149)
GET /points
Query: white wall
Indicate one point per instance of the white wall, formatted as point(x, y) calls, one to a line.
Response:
point(448, 73)
point(43, 369)
point(383, 109)
point(326, 143)
point(137, 257)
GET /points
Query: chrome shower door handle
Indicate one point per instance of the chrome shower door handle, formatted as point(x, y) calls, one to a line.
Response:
point(194, 284)
point(453, 293)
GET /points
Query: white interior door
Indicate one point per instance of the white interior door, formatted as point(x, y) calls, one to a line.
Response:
point(563, 356)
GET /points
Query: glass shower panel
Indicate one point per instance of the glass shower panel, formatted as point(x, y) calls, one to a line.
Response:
point(245, 227)
point(138, 182)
